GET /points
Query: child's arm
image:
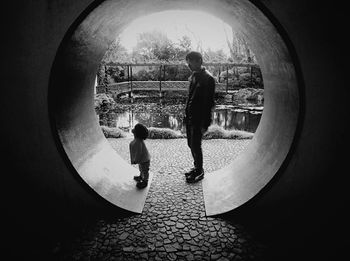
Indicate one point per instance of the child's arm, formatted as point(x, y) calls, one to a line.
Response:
point(135, 152)
point(132, 154)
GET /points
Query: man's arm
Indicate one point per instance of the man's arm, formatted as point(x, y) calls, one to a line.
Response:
point(209, 102)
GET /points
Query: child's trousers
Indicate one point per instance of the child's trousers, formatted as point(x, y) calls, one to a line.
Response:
point(144, 168)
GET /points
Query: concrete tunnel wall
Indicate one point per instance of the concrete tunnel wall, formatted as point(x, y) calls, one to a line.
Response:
point(107, 173)
point(44, 197)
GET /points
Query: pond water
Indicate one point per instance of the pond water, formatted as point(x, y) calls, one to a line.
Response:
point(234, 115)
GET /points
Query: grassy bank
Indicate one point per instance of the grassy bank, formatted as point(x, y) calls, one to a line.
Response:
point(213, 132)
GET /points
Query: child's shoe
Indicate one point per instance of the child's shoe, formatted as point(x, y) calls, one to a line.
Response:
point(142, 184)
point(137, 178)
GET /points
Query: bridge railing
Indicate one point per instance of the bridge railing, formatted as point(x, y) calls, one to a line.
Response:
point(124, 87)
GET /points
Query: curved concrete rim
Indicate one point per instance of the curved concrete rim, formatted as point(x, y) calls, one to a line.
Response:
point(72, 99)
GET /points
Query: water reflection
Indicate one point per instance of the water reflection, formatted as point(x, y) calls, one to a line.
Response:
point(170, 116)
point(240, 120)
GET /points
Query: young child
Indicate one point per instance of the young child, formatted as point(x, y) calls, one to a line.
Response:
point(139, 154)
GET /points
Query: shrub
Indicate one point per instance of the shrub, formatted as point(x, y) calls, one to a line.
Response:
point(163, 133)
point(248, 80)
point(142, 75)
point(217, 132)
point(104, 102)
point(250, 94)
point(110, 132)
point(256, 95)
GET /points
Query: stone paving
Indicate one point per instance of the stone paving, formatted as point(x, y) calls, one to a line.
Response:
point(173, 225)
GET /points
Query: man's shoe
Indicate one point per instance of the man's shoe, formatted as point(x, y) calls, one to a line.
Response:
point(137, 178)
point(142, 184)
point(195, 177)
point(189, 173)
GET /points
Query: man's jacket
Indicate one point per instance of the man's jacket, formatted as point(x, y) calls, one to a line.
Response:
point(200, 99)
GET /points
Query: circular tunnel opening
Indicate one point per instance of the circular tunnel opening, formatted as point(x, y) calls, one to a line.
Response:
point(105, 171)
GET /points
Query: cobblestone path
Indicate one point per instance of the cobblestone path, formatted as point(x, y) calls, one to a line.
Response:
point(173, 225)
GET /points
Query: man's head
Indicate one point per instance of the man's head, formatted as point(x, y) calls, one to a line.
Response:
point(194, 60)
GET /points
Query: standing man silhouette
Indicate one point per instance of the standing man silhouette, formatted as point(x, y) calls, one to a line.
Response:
point(197, 119)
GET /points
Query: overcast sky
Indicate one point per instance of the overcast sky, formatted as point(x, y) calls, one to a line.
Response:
point(197, 25)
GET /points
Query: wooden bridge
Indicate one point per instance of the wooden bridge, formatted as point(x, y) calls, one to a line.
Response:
point(117, 89)
point(130, 86)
